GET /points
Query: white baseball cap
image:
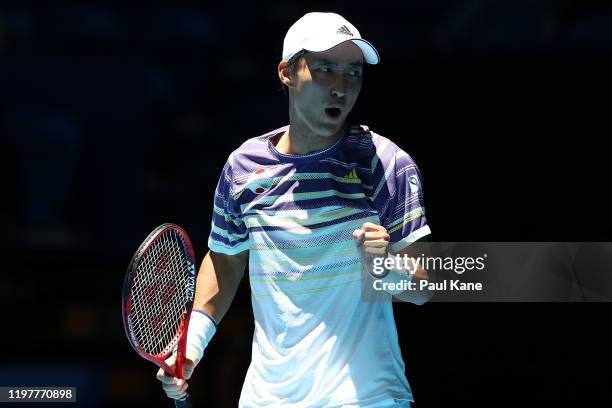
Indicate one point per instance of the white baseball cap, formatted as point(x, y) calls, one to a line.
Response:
point(322, 31)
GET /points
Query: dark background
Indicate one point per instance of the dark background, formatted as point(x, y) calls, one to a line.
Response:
point(116, 117)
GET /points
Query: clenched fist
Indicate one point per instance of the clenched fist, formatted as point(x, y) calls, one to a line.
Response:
point(372, 239)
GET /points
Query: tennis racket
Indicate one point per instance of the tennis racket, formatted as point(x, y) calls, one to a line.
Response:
point(158, 296)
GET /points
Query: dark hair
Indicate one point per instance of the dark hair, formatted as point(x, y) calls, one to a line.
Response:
point(292, 64)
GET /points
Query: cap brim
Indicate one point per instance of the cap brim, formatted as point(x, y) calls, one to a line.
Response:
point(370, 55)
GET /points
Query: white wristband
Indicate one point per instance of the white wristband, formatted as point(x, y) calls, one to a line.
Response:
point(395, 277)
point(202, 328)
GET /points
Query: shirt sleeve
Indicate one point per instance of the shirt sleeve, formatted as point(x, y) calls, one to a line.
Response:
point(399, 197)
point(228, 234)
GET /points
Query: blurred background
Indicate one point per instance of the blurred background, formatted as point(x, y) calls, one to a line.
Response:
point(118, 116)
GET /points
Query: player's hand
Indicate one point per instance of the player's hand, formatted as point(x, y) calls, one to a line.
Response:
point(176, 388)
point(372, 239)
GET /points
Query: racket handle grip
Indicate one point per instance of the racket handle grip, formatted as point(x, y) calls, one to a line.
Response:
point(184, 403)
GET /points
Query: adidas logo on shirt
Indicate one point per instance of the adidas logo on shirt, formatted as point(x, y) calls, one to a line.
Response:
point(344, 30)
point(352, 175)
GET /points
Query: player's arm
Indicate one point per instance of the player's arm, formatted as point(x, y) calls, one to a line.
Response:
point(218, 280)
point(401, 209)
point(219, 277)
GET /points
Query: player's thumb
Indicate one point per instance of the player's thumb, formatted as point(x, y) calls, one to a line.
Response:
point(191, 361)
point(359, 235)
point(171, 361)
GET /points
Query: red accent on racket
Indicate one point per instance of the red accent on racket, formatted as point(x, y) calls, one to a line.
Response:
point(158, 296)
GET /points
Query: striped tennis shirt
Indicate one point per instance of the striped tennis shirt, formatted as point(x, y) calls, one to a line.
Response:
point(317, 343)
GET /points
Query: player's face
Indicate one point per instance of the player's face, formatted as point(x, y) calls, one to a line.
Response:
point(327, 86)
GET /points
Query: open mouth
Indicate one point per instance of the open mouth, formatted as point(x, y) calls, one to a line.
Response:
point(333, 113)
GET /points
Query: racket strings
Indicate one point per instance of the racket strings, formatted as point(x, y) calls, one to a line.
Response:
point(159, 295)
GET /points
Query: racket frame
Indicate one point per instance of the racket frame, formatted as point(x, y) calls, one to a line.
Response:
point(184, 324)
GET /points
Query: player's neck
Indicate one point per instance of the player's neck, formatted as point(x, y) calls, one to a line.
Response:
point(298, 140)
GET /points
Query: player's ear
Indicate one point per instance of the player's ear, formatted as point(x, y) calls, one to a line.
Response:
point(284, 73)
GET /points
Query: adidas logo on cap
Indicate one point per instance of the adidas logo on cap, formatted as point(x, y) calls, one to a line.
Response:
point(344, 30)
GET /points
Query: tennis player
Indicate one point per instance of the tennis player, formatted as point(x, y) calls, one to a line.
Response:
point(307, 205)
